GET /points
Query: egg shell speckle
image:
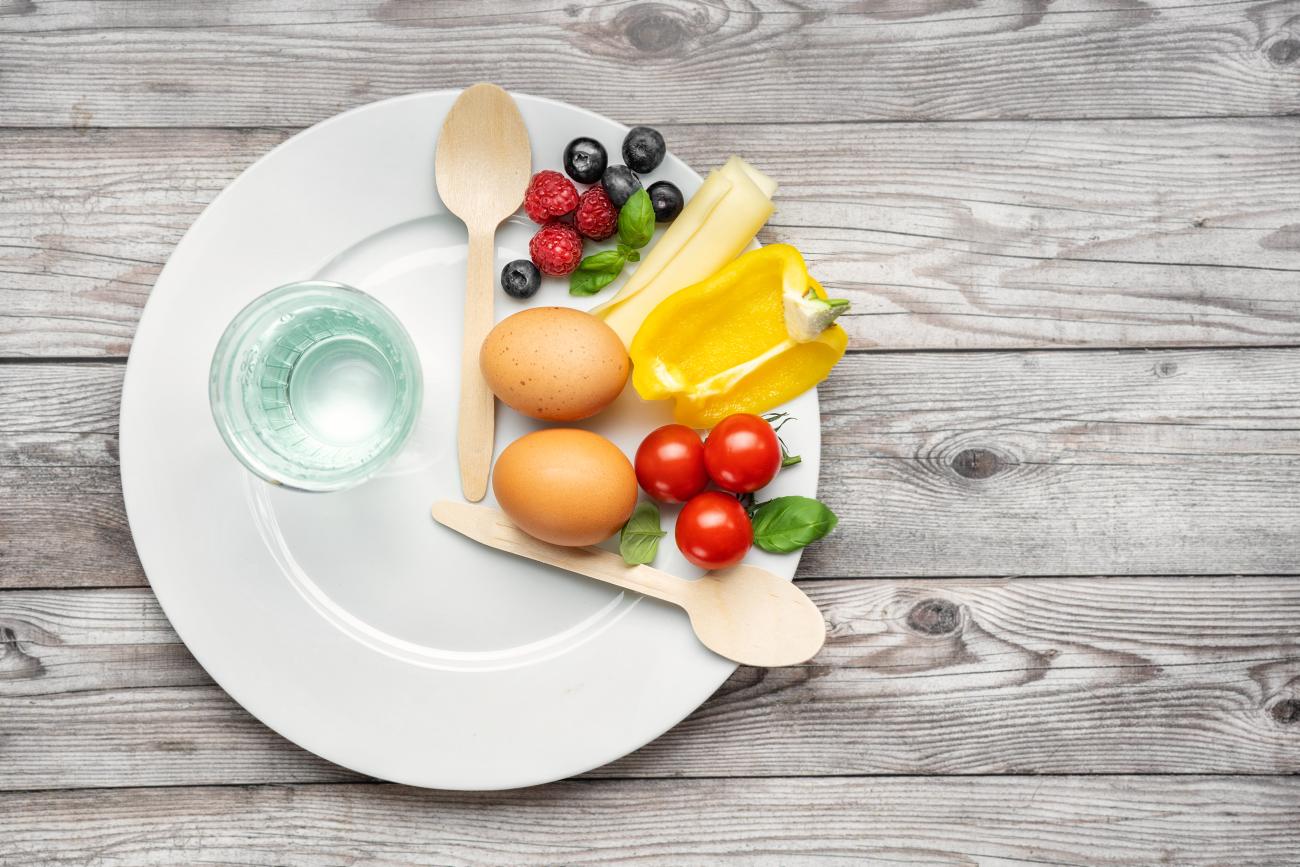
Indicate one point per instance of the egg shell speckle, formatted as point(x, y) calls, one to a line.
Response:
point(565, 486)
point(554, 363)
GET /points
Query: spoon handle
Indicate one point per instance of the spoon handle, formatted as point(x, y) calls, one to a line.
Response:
point(477, 407)
point(492, 528)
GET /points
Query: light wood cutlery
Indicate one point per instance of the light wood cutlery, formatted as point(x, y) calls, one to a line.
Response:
point(482, 165)
point(744, 613)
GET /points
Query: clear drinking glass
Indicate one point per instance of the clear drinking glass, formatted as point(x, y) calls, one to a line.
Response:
point(315, 385)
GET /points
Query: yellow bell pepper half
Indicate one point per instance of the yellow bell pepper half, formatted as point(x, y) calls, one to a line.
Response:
point(721, 346)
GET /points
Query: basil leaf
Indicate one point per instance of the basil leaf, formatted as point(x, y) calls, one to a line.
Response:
point(595, 273)
point(628, 253)
point(639, 540)
point(789, 523)
point(605, 260)
point(636, 220)
point(583, 284)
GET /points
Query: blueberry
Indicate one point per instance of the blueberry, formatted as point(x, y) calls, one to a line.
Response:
point(520, 279)
point(620, 183)
point(667, 201)
point(585, 160)
point(644, 149)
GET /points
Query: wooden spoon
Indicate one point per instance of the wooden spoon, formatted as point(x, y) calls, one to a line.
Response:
point(744, 613)
point(481, 167)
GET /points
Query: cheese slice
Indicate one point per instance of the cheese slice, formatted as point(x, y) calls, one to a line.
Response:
point(715, 227)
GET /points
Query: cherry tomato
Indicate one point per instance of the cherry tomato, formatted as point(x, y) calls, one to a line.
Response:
point(713, 530)
point(742, 453)
point(670, 464)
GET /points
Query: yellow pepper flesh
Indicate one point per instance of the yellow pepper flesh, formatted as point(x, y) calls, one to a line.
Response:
point(721, 346)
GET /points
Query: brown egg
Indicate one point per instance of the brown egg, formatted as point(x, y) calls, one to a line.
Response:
point(554, 363)
point(565, 486)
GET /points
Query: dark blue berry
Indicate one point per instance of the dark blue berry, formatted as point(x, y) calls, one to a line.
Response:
point(585, 160)
point(667, 201)
point(620, 183)
point(644, 149)
point(520, 279)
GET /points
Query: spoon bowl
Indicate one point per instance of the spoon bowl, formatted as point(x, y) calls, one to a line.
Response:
point(483, 158)
point(747, 613)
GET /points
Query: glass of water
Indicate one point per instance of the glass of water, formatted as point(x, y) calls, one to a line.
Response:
point(315, 386)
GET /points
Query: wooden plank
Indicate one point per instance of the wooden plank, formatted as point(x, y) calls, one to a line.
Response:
point(987, 821)
point(52, 415)
point(62, 521)
point(64, 537)
point(1047, 463)
point(133, 63)
point(1062, 463)
point(988, 676)
point(986, 235)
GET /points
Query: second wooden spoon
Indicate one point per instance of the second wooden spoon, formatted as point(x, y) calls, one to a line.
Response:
point(745, 613)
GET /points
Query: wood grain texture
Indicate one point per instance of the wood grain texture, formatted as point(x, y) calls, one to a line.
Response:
point(988, 676)
point(61, 511)
point(1046, 463)
point(1062, 463)
point(153, 63)
point(1042, 212)
point(989, 821)
point(987, 235)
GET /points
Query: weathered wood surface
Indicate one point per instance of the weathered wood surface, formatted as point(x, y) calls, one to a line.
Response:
point(61, 510)
point(1048, 463)
point(956, 821)
point(1062, 463)
point(1001, 175)
point(974, 676)
point(987, 235)
point(131, 63)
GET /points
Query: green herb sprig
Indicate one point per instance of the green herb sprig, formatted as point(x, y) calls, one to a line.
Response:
point(777, 420)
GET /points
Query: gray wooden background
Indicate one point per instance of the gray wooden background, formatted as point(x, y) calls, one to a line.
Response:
point(1064, 600)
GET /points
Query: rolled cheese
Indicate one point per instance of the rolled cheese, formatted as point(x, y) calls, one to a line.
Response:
point(715, 227)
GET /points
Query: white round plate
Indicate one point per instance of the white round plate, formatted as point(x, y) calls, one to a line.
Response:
point(350, 622)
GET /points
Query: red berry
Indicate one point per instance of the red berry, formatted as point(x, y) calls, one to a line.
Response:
point(556, 249)
point(596, 217)
point(549, 195)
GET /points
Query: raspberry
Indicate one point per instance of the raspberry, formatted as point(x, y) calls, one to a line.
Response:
point(556, 249)
point(549, 195)
point(596, 217)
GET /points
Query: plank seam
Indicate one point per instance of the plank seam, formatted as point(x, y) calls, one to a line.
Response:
point(588, 780)
point(799, 579)
point(860, 350)
point(847, 121)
